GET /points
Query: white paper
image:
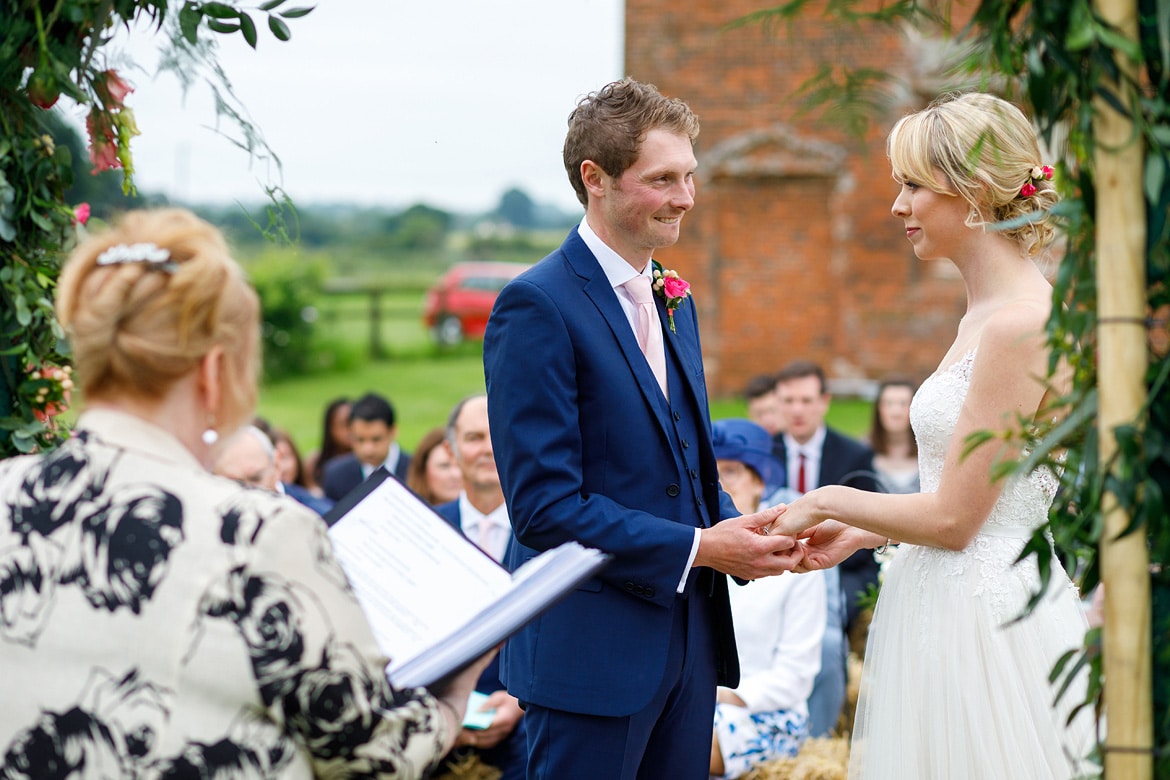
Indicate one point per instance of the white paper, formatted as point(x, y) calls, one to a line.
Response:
point(416, 577)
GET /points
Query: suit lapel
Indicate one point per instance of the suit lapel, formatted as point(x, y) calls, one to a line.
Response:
point(596, 286)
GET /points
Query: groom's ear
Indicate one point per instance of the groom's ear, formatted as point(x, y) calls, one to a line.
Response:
point(594, 177)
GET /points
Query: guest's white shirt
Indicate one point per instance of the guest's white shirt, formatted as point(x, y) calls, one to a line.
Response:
point(811, 450)
point(779, 625)
point(471, 520)
point(390, 463)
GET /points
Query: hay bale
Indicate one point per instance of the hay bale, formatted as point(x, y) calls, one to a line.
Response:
point(819, 759)
point(467, 767)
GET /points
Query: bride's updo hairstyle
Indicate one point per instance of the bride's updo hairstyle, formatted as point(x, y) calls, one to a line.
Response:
point(144, 302)
point(987, 153)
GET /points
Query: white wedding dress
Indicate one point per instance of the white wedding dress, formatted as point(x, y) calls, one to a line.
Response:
point(951, 688)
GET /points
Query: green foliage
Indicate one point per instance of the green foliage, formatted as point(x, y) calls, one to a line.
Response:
point(419, 227)
point(288, 291)
point(50, 50)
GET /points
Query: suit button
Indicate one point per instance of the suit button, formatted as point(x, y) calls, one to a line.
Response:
point(698, 501)
point(631, 587)
point(685, 444)
point(648, 592)
point(694, 474)
point(673, 491)
point(677, 417)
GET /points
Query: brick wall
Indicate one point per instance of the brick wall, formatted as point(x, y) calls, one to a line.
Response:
point(791, 248)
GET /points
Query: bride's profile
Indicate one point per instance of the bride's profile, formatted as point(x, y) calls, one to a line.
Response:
point(952, 687)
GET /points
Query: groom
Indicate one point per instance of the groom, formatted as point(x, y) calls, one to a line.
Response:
point(599, 422)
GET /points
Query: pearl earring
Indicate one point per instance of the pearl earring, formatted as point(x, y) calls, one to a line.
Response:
point(210, 436)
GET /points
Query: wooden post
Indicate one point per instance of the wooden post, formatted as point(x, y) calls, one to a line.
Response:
point(1121, 284)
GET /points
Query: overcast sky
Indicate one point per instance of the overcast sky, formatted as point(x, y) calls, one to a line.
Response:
point(387, 102)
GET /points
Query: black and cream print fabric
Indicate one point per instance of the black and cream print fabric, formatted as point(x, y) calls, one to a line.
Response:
point(158, 622)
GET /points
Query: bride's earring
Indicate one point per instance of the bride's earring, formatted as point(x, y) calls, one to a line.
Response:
point(210, 436)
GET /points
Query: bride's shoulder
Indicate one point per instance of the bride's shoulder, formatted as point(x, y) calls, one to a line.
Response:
point(1022, 318)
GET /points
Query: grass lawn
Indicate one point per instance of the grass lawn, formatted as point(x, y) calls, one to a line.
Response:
point(423, 390)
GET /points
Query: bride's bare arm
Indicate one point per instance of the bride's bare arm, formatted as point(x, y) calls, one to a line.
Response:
point(1006, 384)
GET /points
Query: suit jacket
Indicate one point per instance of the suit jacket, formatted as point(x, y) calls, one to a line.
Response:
point(344, 472)
point(588, 450)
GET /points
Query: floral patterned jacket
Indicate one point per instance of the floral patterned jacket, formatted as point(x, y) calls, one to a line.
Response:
point(157, 621)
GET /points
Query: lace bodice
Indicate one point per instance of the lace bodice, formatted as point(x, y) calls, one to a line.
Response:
point(934, 412)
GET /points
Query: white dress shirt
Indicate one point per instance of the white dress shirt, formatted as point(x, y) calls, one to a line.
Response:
point(471, 520)
point(390, 463)
point(811, 450)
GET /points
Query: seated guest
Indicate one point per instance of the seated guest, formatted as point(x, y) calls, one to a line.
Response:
point(763, 405)
point(334, 442)
point(895, 450)
point(249, 457)
point(481, 515)
point(160, 621)
point(779, 623)
point(433, 473)
point(373, 436)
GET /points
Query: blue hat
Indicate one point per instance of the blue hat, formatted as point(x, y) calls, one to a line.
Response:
point(745, 441)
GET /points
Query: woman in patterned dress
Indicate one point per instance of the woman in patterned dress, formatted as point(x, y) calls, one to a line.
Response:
point(156, 620)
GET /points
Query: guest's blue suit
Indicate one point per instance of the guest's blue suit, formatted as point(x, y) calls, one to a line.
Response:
point(509, 756)
point(589, 450)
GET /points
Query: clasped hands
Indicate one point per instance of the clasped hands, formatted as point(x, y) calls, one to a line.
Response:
point(767, 543)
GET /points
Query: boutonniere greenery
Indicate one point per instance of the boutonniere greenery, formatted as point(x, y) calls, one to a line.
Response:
point(673, 289)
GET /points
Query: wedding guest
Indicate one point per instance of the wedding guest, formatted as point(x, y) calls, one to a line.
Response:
point(373, 435)
point(480, 514)
point(763, 404)
point(334, 442)
point(160, 621)
point(895, 452)
point(264, 439)
point(779, 623)
point(953, 665)
point(433, 474)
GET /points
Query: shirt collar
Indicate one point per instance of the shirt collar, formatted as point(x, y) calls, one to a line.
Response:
point(615, 267)
point(470, 517)
point(811, 448)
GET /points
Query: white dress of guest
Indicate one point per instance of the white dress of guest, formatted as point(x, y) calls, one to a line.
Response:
point(779, 623)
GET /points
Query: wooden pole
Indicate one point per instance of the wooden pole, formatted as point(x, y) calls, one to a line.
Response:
point(1121, 285)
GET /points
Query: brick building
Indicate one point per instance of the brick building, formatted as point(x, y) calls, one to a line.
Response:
point(791, 248)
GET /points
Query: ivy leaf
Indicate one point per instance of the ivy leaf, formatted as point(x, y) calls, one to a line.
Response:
point(271, 4)
point(248, 28)
point(279, 28)
point(297, 13)
point(223, 27)
point(189, 19)
point(219, 11)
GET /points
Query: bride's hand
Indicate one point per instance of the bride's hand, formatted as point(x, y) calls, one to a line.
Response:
point(829, 543)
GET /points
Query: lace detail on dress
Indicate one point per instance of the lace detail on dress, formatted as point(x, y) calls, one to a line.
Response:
point(1022, 506)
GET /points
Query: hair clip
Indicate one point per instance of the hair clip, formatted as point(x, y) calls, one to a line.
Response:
point(1039, 173)
point(151, 254)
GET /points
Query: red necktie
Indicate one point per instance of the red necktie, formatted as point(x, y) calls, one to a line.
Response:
point(800, 481)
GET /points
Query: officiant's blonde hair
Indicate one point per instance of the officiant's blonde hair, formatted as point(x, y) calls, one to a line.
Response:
point(137, 326)
point(982, 148)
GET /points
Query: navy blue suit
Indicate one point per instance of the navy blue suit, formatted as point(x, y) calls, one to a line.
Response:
point(342, 474)
point(589, 450)
point(509, 756)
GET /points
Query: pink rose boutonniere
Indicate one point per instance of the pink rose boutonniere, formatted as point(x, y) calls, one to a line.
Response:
point(673, 289)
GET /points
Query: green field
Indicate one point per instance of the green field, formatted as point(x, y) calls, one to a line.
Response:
point(397, 358)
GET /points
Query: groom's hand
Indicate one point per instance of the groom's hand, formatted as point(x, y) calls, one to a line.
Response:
point(742, 547)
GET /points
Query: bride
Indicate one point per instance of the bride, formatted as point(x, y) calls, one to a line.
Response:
point(952, 687)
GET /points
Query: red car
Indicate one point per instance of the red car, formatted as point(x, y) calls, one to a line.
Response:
point(458, 305)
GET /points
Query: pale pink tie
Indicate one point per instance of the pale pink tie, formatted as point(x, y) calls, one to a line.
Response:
point(649, 328)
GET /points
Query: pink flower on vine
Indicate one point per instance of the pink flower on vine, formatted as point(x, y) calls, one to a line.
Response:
point(81, 214)
point(111, 89)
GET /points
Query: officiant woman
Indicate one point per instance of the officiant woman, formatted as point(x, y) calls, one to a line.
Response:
point(156, 620)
